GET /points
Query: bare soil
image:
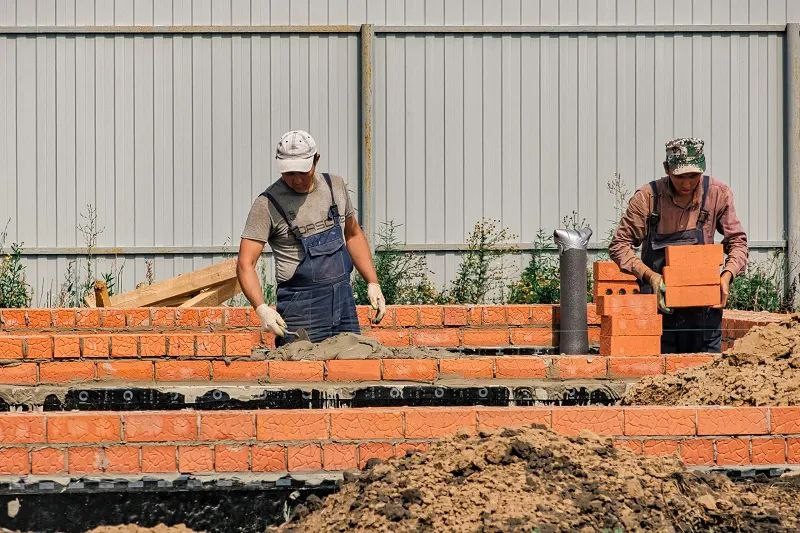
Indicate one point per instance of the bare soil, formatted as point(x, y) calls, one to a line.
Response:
point(133, 528)
point(762, 368)
point(351, 346)
point(533, 479)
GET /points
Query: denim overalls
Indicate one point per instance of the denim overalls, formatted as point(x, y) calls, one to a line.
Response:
point(318, 297)
point(691, 329)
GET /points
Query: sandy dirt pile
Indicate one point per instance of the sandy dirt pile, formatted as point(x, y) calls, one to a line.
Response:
point(132, 528)
point(533, 479)
point(350, 346)
point(762, 368)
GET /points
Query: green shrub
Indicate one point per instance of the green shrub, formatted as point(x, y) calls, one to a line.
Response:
point(540, 282)
point(14, 290)
point(762, 287)
point(403, 275)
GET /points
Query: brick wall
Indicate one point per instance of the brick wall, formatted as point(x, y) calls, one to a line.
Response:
point(312, 440)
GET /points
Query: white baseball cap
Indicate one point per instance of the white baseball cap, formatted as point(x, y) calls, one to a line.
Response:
point(295, 151)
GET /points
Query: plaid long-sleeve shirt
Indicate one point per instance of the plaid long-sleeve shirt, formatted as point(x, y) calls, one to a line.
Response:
point(632, 229)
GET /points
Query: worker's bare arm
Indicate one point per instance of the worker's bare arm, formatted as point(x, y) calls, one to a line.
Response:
point(358, 247)
point(249, 252)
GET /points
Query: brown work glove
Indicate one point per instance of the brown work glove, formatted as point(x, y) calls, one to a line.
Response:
point(656, 282)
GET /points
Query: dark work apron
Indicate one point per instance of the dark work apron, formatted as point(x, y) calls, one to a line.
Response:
point(318, 297)
point(691, 329)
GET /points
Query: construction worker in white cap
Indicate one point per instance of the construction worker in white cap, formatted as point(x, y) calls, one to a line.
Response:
point(310, 224)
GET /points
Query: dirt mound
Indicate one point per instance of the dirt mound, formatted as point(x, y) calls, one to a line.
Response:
point(762, 368)
point(533, 479)
point(133, 528)
point(350, 346)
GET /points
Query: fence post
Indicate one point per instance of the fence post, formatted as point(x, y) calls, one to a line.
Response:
point(792, 103)
point(367, 196)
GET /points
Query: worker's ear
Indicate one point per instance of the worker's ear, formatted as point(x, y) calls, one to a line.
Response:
point(316, 158)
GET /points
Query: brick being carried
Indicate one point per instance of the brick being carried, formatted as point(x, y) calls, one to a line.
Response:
point(692, 275)
point(693, 296)
point(695, 255)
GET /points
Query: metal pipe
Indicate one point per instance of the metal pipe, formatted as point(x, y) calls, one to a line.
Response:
point(366, 196)
point(573, 335)
point(792, 136)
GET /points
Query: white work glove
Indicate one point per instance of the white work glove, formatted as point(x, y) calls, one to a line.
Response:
point(376, 301)
point(271, 320)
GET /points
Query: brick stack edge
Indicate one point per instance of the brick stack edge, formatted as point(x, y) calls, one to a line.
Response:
point(609, 279)
point(692, 275)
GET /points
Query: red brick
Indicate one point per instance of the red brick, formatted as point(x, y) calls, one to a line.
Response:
point(19, 428)
point(112, 318)
point(48, 461)
point(467, 368)
point(209, 344)
point(785, 420)
point(542, 315)
point(87, 318)
point(11, 347)
point(630, 346)
point(493, 418)
point(353, 370)
point(362, 424)
point(181, 344)
point(592, 315)
point(304, 458)
point(39, 347)
point(696, 452)
point(455, 315)
point(236, 317)
point(679, 362)
point(631, 445)
point(39, 319)
point(424, 423)
point(19, 374)
point(159, 459)
point(95, 345)
point(253, 319)
point(67, 346)
point(406, 315)
point(410, 369)
point(653, 421)
point(241, 343)
point(231, 458)
point(339, 456)
point(683, 276)
point(598, 420)
point(291, 424)
point(631, 367)
point(63, 318)
point(594, 336)
point(210, 316)
point(732, 421)
point(443, 338)
point(793, 451)
point(390, 337)
point(363, 314)
point(660, 447)
point(296, 371)
point(608, 288)
point(532, 337)
point(486, 337)
point(697, 255)
point(430, 315)
point(268, 458)
point(732, 452)
point(695, 296)
point(160, 426)
point(227, 426)
point(125, 370)
point(768, 451)
point(85, 460)
point(66, 372)
point(153, 345)
point(520, 367)
point(83, 427)
point(240, 370)
point(374, 450)
point(124, 345)
point(620, 325)
point(137, 318)
point(635, 305)
point(163, 317)
point(579, 367)
point(14, 461)
point(183, 370)
point(609, 271)
point(195, 459)
point(494, 315)
point(475, 313)
point(122, 460)
point(518, 315)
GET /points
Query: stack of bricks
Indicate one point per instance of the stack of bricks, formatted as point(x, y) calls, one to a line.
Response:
point(692, 275)
point(630, 324)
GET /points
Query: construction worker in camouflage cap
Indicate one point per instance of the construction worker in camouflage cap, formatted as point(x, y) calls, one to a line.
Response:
point(685, 207)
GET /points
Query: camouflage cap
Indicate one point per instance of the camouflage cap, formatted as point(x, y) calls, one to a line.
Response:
point(685, 155)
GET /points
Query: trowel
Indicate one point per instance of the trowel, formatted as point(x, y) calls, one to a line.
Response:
point(301, 334)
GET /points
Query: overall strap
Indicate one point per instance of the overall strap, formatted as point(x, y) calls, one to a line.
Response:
point(655, 213)
point(292, 226)
point(702, 217)
point(334, 206)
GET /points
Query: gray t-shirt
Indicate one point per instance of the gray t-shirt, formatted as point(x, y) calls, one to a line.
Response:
point(309, 211)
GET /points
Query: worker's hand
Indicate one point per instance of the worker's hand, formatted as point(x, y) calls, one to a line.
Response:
point(660, 290)
point(376, 301)
point(271, 320)
point(724, 289)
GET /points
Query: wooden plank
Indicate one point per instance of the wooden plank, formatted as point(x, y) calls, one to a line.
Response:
point(214, 296)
